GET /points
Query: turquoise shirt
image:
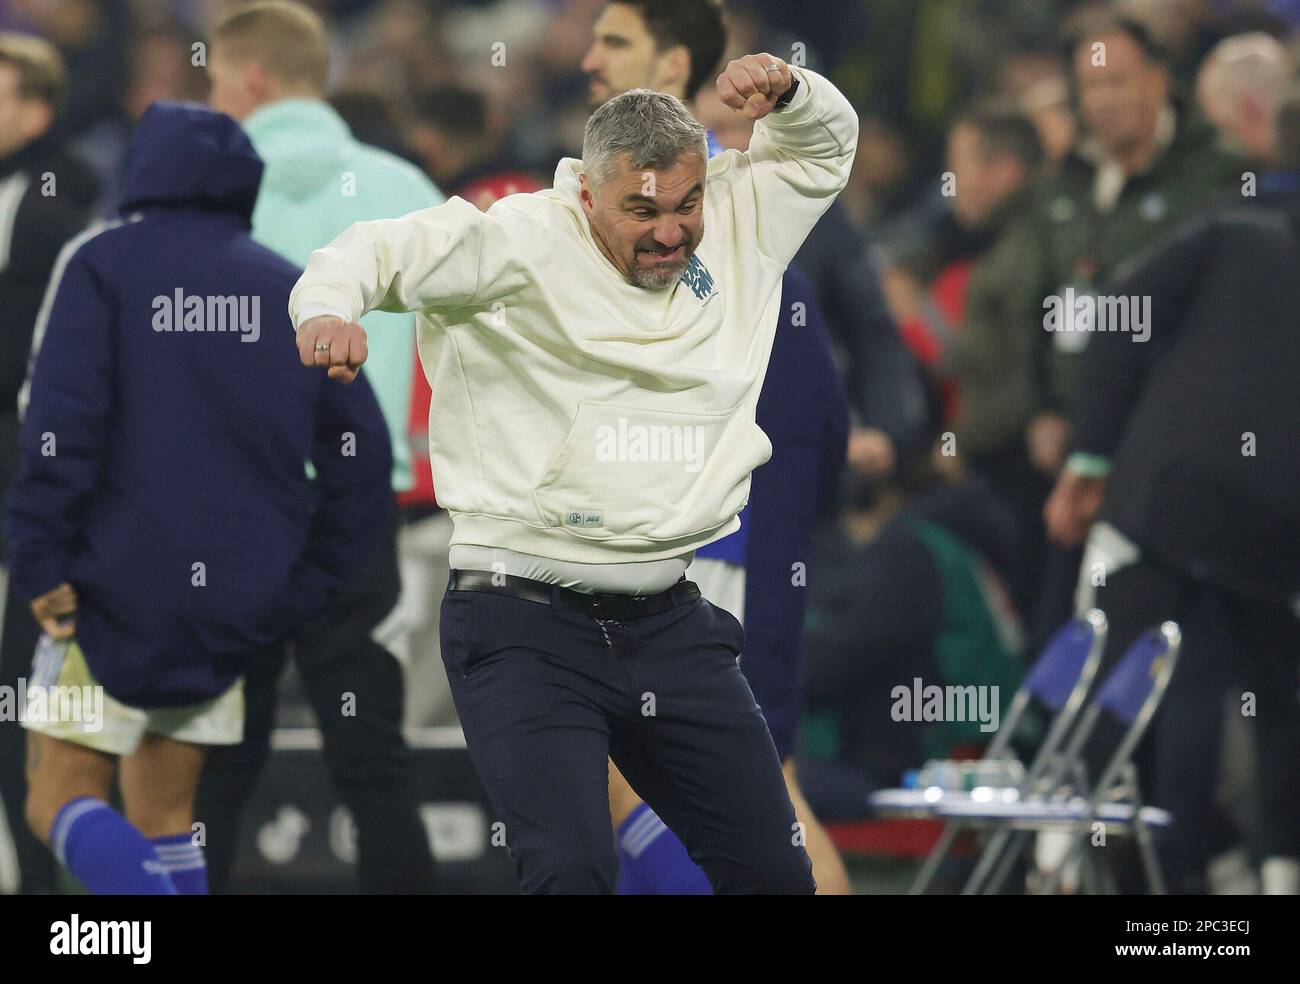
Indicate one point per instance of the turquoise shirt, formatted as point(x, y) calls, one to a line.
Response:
point(319, 180)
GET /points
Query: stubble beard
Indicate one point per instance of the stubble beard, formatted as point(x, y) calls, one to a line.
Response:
point(657, 279)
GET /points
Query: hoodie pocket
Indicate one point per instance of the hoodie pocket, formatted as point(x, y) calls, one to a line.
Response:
point(657, 475)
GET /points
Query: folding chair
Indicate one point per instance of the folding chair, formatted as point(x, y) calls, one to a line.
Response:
point(1131, 693)
point(1060, 679)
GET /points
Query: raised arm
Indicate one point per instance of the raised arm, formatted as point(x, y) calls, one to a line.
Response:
point(800, 154)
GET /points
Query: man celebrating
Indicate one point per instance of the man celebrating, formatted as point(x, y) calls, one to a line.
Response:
point(595, 366)
point(675, 46)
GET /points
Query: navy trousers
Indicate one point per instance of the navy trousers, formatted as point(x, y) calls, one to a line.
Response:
point(545, 694)
point(1230, 644)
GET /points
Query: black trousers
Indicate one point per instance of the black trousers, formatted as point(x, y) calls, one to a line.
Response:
point(1229, 641)
point(364, 749)
point(545, 694)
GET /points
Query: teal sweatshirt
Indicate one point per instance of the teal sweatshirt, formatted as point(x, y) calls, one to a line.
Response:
point(319, 180)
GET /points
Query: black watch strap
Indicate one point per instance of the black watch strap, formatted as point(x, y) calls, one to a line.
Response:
point(784, 100)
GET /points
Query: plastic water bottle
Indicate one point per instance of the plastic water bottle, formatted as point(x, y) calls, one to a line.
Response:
point(953, 775)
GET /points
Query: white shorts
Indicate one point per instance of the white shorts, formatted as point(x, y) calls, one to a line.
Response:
point(64, 700)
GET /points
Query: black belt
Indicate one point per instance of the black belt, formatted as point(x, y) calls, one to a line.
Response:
point(600, 605)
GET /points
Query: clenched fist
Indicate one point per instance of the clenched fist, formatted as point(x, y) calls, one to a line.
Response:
point(752, 84)
point(333, 342)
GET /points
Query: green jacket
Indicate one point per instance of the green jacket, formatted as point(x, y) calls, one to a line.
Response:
point(319, 180)
point(993, 355)
point(1081, 247)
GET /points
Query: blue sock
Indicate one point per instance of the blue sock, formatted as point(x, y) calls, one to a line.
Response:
point(652, 861)
point(105, 853)
point(184, 861)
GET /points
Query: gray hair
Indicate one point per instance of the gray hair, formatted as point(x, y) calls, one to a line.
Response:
point(652, 128)
point(1254, 63)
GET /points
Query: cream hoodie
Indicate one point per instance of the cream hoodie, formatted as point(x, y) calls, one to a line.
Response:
point(575, 416)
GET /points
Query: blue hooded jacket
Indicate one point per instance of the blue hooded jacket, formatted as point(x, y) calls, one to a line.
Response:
point(168, 423)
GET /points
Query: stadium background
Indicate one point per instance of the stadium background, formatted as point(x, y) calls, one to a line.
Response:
point(486, 96)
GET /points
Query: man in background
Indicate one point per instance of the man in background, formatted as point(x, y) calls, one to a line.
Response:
point(1240, 86)
point(156, 522)
point(1143, 164)
point(46, 198)
point(912, 583)
point(269, 64)
point(995, 158)
point(1185, 452)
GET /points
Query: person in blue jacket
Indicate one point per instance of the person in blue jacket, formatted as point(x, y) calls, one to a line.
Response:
point(162, 522)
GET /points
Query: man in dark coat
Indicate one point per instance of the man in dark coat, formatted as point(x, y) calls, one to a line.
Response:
point(162, 523)
point(1190, 440)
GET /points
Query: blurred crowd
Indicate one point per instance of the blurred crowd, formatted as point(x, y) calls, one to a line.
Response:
point(995, 168)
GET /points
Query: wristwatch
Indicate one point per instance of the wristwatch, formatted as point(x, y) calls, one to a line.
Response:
point(784, 100)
